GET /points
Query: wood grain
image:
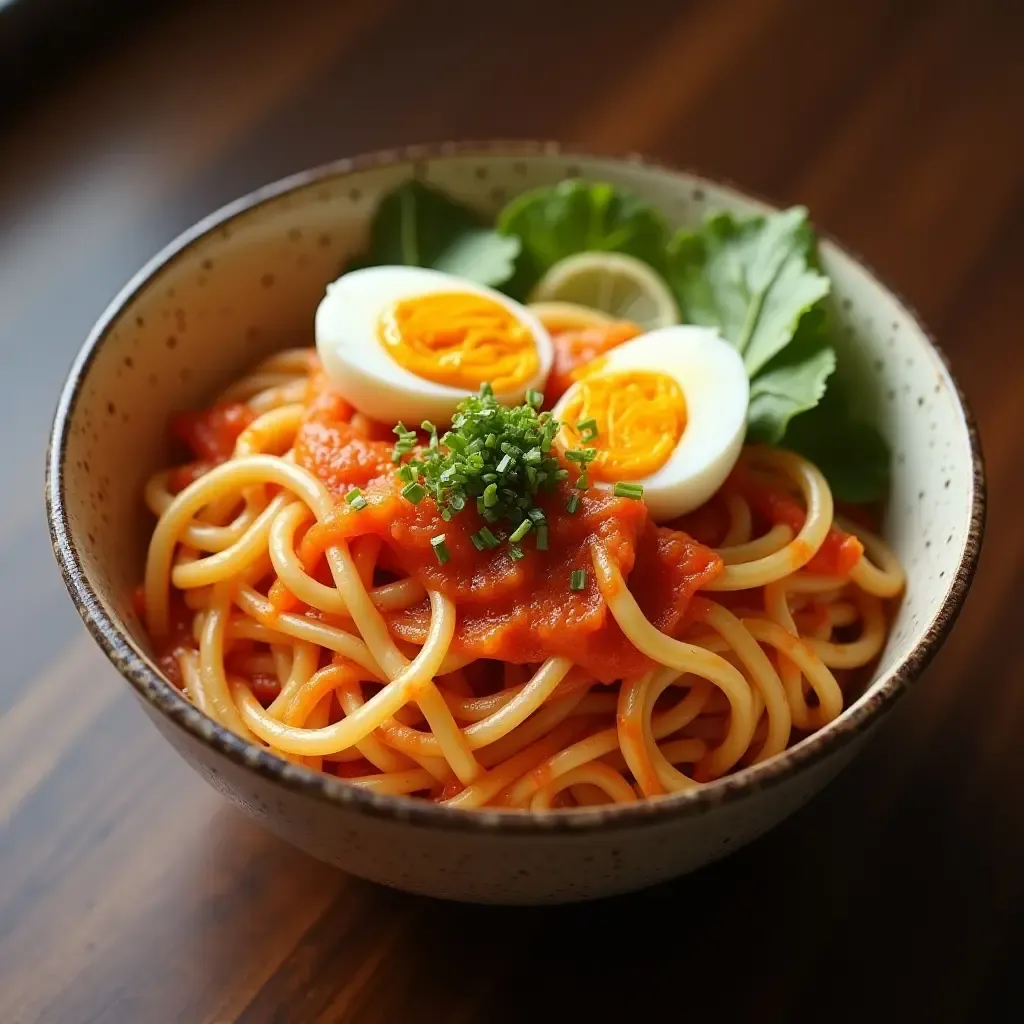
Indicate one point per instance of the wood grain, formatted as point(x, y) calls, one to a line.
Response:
point(131, 893)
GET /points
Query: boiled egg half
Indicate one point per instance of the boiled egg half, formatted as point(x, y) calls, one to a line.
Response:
point(667, 410)
point(408, 343)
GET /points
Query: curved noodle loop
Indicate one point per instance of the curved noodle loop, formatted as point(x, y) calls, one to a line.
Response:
point(324, 628)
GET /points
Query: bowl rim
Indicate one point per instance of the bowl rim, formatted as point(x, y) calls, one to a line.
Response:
point(153, 688)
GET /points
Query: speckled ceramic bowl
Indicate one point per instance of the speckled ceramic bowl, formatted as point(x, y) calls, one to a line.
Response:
point(247, 280)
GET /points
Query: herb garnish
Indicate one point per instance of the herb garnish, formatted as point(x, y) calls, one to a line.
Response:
point(495, 458)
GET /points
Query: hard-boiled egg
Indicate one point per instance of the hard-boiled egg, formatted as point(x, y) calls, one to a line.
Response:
point(407, 343)
point(667, 410)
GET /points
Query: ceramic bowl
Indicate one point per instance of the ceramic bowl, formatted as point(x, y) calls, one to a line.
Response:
point(246, 281)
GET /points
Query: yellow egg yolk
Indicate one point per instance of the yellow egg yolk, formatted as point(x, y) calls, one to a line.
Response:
point(639, 416)
point(461, 340)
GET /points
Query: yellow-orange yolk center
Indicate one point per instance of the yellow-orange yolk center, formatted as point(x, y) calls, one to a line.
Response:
point(461, 340)
point(639, 415)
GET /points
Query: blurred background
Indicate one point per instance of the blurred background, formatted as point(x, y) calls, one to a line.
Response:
point(900, 123)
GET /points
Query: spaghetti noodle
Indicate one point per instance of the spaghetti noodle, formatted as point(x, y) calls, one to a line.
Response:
point(328, 634)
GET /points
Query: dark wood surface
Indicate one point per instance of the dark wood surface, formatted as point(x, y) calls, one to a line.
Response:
point(129, 892)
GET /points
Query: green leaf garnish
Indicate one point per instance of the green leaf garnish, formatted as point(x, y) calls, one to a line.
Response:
point(416, 225)
point(498, 459)
point(751, 278)
point(793, 382)
point(578, 216)
point(853, 455)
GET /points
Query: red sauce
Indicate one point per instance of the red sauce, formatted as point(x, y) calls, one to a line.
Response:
point(575, 349)
point(840, 551)
point(210, 434)
point(343, 450)
point(523, 611)
point(707, 524)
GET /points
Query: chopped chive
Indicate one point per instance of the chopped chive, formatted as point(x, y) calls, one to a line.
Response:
point(542, 536)
point(506, 461)
point(587, 429)
point(427, 427)
point(355, 499)
point(490, 495)
point(440, 548)
point(406, 474)
point(572, 504)
point(414, 492)
point(534, 398)
point(624, 490)
point(536, 515)
point(477, 541)
point(581, 482)
point(521, 530)
point(488, 538)
point(515, 552)
point(578, 580)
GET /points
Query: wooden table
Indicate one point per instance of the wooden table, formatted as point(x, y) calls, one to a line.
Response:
point(129, 891)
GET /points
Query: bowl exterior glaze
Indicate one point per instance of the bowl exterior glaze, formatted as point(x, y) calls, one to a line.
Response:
point(246, 282)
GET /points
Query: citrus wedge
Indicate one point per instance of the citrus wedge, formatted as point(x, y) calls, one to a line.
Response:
point(621, 286)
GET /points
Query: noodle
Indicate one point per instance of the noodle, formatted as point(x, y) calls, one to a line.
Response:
point(338, 659)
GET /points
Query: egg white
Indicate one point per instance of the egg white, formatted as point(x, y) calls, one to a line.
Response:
point(347, 328)
point(714, 383)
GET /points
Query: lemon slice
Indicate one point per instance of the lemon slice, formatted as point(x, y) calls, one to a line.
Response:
point(568, 316)
point(621, 286)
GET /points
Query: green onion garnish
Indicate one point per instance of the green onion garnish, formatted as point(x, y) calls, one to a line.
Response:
point(487, 538)
point(496, 458)
point(515, 552)
point(477, 540)
point(355, 499)
point(521, 531)
point(542, 536)
point(587, 429)
point(578, 580)
point(624, 490)
point(440, 548)
point(572, 504)
point(414, 492)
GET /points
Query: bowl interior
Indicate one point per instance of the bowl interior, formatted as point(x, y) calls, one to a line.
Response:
point(248, 282)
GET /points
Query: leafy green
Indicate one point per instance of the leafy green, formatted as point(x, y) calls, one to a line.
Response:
point(754, 280)
point(853, 455)
point(578, 216)
point(416, 225)
point(793, 381)
point(751, 278)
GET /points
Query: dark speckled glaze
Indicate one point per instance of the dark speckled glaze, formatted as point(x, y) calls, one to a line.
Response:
point(246, 280)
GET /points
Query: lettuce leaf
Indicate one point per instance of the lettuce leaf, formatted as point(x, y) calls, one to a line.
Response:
point(416, 225)
point(793, 381)
point(752, 278)
point(578, 216)
point(852, 454)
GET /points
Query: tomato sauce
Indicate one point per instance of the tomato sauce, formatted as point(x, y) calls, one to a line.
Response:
point(575, 349)
point(210, 436)
point(839, 552)
point(524, 611)
point(343, 449)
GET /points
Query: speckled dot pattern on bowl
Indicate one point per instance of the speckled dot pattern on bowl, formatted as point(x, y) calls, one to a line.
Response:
point(246, 282)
